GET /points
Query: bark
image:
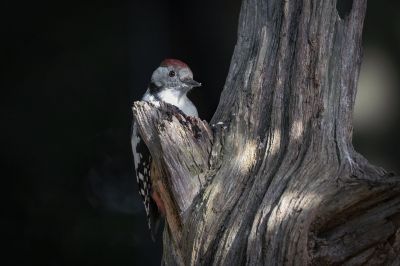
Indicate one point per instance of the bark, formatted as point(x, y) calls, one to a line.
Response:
point(274, 179)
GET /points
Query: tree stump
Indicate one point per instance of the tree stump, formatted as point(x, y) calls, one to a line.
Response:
point(274, 179)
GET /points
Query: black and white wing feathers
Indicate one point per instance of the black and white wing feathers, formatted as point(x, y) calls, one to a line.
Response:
point(142, 163)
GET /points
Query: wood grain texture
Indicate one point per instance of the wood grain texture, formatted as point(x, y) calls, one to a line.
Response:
point(277, 180)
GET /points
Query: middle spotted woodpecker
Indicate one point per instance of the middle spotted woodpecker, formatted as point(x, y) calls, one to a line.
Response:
point(170, 83)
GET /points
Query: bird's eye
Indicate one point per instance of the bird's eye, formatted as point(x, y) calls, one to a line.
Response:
point(172, 73)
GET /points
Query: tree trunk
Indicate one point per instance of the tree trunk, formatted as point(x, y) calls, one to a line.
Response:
point(274, 179)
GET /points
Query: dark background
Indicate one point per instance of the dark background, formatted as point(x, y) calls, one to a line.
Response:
point(70, 72)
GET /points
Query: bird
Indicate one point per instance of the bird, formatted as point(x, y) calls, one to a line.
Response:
point(169, 83)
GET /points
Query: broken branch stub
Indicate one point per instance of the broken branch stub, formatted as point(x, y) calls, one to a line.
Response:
point(180, 146)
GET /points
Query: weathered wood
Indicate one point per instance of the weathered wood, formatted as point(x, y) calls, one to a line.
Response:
point(279, 183)
point(180, 148)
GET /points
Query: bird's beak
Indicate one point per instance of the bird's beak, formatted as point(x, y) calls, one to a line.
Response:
point(191, 82)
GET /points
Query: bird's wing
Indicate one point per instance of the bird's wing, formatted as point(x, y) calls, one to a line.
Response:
point(142, 162)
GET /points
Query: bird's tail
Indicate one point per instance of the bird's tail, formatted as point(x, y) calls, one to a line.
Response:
point(153, 219)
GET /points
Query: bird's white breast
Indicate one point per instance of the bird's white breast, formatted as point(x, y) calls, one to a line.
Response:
point(173, 97)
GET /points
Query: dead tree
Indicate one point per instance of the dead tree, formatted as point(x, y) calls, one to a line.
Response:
point(274, 179)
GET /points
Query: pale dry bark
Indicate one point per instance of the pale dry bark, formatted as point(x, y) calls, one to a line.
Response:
point(278, 182)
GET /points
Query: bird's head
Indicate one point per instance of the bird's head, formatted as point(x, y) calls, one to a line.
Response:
point(174, 75)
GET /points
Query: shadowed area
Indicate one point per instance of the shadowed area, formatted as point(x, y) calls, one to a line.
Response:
point(70, 73)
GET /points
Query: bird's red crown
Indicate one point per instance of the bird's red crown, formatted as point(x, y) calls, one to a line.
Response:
point(174, 63)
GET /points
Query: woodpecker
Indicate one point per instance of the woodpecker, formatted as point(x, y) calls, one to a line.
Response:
point(169, 83)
